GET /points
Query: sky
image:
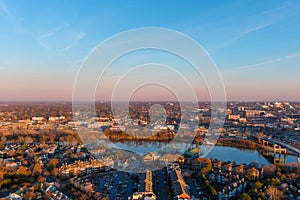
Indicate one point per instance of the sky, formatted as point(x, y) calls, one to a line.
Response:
point(254, 44)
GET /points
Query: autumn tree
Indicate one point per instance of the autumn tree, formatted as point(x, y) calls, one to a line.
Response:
point(21, 139)
point(11, 153)
point(41, 179)
point(2, 141)
point(29, 195)
point(274, 193)
point(46, 173)
point(1, 174)
point(97, 195)
point(37, 169)
point(28, 140)
point(23, 171)
point(207, 169)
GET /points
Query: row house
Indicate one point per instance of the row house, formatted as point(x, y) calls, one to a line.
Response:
point(81, 168)
point(232, 190)
point(199, 163)
point(179, 187)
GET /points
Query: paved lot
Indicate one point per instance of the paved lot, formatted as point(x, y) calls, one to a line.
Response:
point(116, 185)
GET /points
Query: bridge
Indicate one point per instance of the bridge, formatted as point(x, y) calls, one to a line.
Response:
point(292, 149)
point(279, 150)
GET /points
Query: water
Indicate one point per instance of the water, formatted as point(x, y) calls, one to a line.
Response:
point(140, 147)
point(241, 156)
point(224, 153)
point(237, 155)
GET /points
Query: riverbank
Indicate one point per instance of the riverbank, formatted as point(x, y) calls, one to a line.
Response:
point(243, 144)
point(240, 143)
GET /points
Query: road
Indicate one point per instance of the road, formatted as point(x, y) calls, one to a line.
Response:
point(160, 185)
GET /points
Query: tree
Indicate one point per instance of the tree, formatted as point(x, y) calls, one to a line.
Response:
point(29, 195)
point(262, 196)
point(41, 179)
point(23, 171)
point(2, 141)
point(250, 177)
point(28, 140)
point(245, 196)
point(21, 139)
point(213, 191)
point(274, 181)
point(274, 193)
point(46, 173)
point(5, 183)
point(207, 169)
point(1, 174)
point(258, 185)
point(52, 164)
point(43, 139)
point(11, 153)
point(37, 169)
point(97, 195)
point(51, 138)
point(54, 172)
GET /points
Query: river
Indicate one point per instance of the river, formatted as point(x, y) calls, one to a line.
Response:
point(241, 156)
point(224, 153)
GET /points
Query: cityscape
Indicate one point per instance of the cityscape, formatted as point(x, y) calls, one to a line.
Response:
point(42, 157)
point(149, 100)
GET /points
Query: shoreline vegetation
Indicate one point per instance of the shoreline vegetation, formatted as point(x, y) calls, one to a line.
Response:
point(243, 144)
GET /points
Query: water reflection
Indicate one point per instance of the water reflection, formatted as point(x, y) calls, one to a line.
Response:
point(224, 153)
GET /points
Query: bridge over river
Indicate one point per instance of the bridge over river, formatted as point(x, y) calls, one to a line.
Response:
point(278, 149)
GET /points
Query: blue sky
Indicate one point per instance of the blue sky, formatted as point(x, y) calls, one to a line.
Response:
point(255, 44)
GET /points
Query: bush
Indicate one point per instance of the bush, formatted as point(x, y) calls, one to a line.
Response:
point(245, 196)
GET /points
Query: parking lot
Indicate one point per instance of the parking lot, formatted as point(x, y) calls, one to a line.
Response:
point(117, 185)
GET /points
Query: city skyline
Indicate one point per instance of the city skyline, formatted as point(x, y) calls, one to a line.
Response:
point(254, 44)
